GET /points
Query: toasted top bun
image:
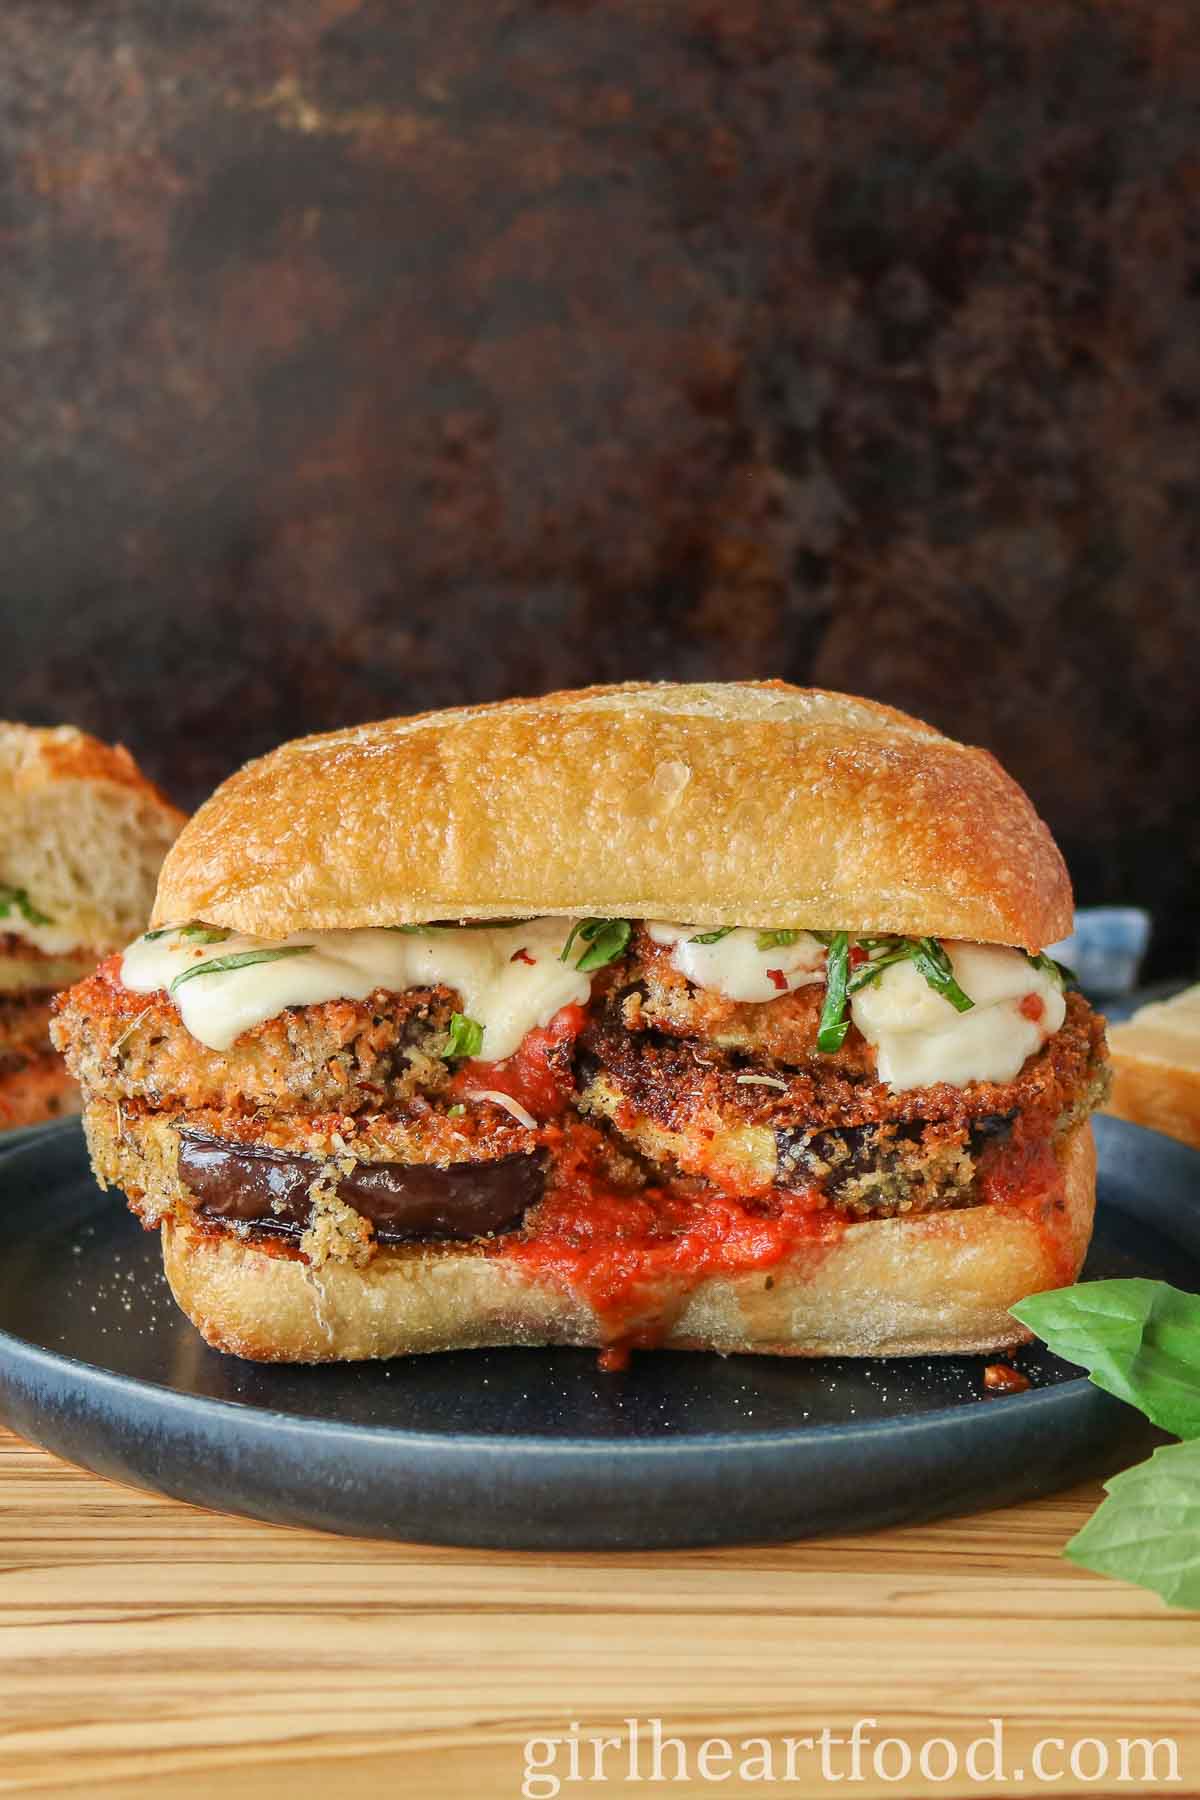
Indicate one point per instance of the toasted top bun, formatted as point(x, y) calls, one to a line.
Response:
point(82, 832)
point(750, 803)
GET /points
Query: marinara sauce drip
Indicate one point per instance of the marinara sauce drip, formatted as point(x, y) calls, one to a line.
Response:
point(634, 1257)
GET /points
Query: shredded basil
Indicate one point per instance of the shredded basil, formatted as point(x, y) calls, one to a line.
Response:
point(835, 1020)
point(776, 940)
point(242, 959)
point(197, 934)
point(605, 939)
point(456, 1111)
point(456, 925)
point(926, 955)
point(711, 937)
point(932, 962)
point(466, 1036)
point(15, 896)
point(898, 951)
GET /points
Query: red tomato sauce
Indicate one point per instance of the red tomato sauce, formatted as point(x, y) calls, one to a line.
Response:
point(1025, 1177)
point(538, 1073)
point(635, 1257)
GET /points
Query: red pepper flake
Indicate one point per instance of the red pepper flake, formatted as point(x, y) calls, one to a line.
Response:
point(523, 956)
point(1031, 1007)
point(1001, 1378)
point(778, 979)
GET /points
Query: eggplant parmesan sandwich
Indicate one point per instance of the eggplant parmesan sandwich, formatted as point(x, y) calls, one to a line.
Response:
point(82, 836)
point(711, 1016)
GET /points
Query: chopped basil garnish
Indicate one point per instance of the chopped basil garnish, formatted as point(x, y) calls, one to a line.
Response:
point(711, 937)
point(456, 1111)
point(456, 925)
point(866, 973)
point(197, 934)
point(932, 962)
point(466, 1036)
point(835, 1020)
point(776, 940)
point(15, 896)
point(926, 955)
point(1064, 976)
point(605, 940)
point(242, 959)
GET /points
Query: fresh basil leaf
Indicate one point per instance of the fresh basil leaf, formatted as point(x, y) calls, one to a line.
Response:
point(835, 1022)
point(148, 937)
point(776, 940)
point(605, 940)
point(1148, 1529)
point(466, 1036)
point(241, 959)
point(15, 896)
point(711, 937)
point(933, 963)
point(1137, 1339)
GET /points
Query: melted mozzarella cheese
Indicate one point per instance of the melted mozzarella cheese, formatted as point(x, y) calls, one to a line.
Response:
point(920, 1039)
point(918, 1036)
point(735, 966)
point(508, 994)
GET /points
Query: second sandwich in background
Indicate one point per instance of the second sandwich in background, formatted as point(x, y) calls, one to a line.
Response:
point(82, 837)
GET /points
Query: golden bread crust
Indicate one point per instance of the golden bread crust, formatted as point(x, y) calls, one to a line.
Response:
point(82, 832)
point(938, 1283)
point(1156, 1067)
point(720, 803)
point(36, 756)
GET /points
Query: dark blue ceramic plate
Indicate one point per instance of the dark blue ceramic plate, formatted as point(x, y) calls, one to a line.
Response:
point(536, 1448)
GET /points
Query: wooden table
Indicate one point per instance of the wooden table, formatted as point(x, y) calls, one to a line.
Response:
point(155, 1650)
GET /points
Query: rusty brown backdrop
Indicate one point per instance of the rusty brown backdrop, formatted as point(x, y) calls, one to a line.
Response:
point(361, 356)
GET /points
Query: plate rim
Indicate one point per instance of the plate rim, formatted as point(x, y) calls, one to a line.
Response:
point(153, 1392)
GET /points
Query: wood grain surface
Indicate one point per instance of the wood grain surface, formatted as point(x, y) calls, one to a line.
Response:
point(152, 1649)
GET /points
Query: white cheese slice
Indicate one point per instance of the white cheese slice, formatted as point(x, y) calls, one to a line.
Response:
point(506, 992)
point(735, 966)
point(920, 1039)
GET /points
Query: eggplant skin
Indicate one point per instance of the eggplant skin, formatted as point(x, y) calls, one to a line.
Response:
point(269, 1189)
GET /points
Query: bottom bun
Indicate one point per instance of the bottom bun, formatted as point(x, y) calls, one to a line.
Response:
point(939, 1282)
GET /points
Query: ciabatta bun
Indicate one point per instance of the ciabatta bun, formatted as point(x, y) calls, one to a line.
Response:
point(82, 832)
point(1156, 1067)
point(939, 1282)
point(721, 803)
